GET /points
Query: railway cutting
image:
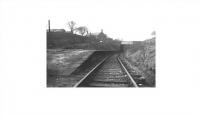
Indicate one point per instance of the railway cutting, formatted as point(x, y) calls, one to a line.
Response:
point(109, 73)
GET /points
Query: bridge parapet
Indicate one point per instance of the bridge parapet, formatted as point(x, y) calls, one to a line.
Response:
point(133, 45)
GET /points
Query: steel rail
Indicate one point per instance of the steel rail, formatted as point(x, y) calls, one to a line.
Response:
point(78, 83)
point(130, 77)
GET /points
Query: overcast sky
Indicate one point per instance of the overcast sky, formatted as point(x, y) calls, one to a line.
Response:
point(123, 19)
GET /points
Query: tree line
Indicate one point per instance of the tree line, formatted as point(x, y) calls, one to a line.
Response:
point(83, 30)
point(78, 37)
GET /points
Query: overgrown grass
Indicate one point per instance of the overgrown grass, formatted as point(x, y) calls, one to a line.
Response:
point(61, 63)
point(144, 60)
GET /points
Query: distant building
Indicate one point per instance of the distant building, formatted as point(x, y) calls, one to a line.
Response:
point(127, 42)
point(133, 45)
point(93, 34)
point(101, 35)
point(57, 30)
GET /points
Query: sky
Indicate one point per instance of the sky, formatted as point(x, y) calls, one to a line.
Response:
point(119, 19)
point(129, 20)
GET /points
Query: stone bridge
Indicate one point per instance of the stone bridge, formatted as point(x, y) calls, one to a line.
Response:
point(131, 45)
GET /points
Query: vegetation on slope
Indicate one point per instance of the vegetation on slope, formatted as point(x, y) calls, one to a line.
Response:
point(79, 37)
point(144, 60)
point(61, 63)
point(66, 40)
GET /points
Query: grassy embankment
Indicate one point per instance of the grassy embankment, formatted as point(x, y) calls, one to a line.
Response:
point(144, 60)
point(61, 63)
point(66, 51)
point(63, 40)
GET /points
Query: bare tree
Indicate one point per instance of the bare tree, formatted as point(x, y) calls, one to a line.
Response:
point(82, 30)
point(71, 25)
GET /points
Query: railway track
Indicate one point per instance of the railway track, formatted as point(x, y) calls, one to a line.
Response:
point(110, 72)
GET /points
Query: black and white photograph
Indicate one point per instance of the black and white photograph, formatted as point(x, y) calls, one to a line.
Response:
point(99, 57)
point(78, 56)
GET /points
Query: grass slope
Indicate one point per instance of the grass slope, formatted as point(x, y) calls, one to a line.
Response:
point(144, 60)
point(63, 62)
point(63, 40)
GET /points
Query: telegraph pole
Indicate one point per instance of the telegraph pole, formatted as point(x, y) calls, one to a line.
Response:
point(49, 25)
